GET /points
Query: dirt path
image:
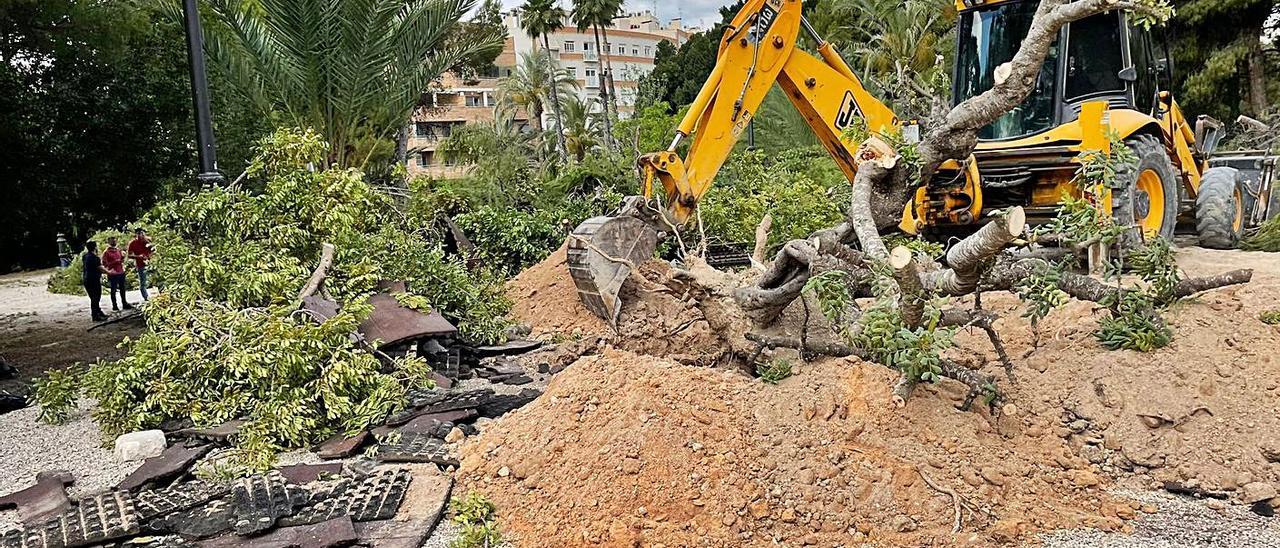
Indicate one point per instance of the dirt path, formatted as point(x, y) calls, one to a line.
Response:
point(41, 330)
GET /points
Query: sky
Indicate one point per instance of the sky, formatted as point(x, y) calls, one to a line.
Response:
point(701, 13)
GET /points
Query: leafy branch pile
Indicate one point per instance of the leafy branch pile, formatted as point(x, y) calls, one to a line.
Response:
point(226, 338)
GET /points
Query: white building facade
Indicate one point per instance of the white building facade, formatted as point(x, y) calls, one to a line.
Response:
point(633, 41)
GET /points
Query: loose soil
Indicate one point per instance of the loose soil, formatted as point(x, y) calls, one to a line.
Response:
point(632, 445)
point(40, 331)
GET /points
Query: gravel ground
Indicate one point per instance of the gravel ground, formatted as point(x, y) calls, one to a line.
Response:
point(1181, 523)
point(28, 446)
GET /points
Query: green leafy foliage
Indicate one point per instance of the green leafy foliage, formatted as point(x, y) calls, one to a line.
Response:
point(1270, 317)
point(56, 394)
point(1155, 263)
point(1041, 293)
point(832, 294)
point(474, 514)
point(1133, 325)
point(284, 58)
point(1266, 238)
point(774, 370)
point(226, 339)
point(801, 188)
point(70, 280)
point(916, 352)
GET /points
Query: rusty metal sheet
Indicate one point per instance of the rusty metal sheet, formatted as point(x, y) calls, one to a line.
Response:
point(392, 323)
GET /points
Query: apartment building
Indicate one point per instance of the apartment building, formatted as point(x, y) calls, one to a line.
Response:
point(633, 41)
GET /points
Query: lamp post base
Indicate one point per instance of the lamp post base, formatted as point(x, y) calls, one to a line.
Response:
point(211, 178)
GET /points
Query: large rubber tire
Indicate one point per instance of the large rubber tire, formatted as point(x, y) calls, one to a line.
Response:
point(1220, 208)
point(1136, 202)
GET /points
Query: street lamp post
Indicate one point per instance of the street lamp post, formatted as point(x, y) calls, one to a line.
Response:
point(207, 149)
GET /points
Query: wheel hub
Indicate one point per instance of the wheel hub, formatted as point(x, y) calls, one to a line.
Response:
point(1141, 204)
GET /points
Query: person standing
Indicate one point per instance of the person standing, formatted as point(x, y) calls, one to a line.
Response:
point(140, 251)
point(93, 272)
point(113, 261)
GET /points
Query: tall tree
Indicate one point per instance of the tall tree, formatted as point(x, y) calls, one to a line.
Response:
point(1219, 64)
point(531, 85)
point(599, 14)
point(540, 18)
point(95, 120)
point(353, 70)
point(581, 125)
point(899, 47)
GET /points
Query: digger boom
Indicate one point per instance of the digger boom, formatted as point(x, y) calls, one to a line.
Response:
point(759, 48)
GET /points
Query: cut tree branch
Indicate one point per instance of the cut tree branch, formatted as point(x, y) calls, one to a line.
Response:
point(318, 275)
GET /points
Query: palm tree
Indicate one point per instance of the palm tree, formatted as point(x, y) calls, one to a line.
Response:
point(531, 84)
point(581, 125)
point(540, 18)
point(899, 46)
point(353, 70)
point(599, 14)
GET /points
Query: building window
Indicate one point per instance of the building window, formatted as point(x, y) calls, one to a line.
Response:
point(591, 73)
point(490, 101)
point(422, 129)
point(586, 46)
point(622, 49)
point(424, 158)
point(474, 100)
point(568, 47)
point(646, 51)
point(635, 50)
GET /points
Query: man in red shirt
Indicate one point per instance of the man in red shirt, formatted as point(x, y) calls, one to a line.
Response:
point(113, 261)
point(140, 252)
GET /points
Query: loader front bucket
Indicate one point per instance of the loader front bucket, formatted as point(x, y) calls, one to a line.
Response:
point(601, 254)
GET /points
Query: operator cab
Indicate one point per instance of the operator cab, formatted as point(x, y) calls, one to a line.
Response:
point(1088, 68)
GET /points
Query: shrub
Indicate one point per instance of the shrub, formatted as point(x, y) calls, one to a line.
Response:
point(475, 515)
point(55, 393)
point(801, 189)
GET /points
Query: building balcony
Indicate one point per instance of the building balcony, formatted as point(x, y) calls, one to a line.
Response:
point(591, 56)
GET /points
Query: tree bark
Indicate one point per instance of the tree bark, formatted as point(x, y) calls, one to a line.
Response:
point(607, 56)
point(555, 101)
point(608, 119)
point(1257, 80)
point(965, 259)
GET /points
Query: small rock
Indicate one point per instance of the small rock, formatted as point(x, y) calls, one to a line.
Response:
point(903, 524)
point(788, 516)
point(630, 466)
point(504, 472)
point(454, 435)
point(1257, 491)
point(140, 445)
point(758, 509)
point(1215, 504)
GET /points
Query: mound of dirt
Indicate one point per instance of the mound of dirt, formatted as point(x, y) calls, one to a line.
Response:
point(636, 446)
point(625, 449)
point(1203, 411)
point(662, 315)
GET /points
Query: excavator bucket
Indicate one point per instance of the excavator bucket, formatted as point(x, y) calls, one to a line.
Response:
point(602, 251)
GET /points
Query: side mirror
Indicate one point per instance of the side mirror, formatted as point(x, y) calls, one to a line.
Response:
point(1128, 74)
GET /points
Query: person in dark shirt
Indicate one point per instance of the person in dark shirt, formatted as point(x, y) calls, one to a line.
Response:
point(93, 272)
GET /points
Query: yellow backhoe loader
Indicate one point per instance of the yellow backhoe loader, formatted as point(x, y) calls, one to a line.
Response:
point(1102, 75)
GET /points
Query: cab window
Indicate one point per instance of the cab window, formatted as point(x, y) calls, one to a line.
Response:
point(1094, 56)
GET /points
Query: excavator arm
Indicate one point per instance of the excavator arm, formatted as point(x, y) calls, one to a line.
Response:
point(759, 48)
